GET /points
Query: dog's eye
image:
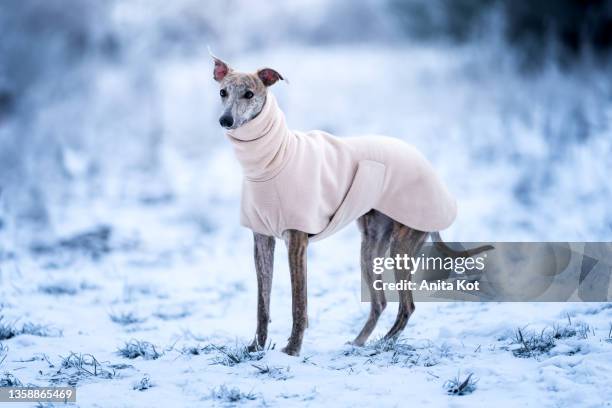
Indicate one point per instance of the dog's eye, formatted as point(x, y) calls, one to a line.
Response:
point(248, 94)
point(223, 93)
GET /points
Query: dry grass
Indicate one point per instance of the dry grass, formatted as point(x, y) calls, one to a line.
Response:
point(75, 368)
point(276, 373)
point(137, 348)
point(125, 318)
point(533, 344)
point(144, 383)
point(9, 380)
point(457, 386)
point(231, 356)
point(8, 330)
point(232, 395)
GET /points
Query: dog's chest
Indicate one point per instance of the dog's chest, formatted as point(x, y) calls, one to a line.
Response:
point(286, 202)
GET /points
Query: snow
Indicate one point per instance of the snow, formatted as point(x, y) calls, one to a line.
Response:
point(195, 287)
point(527, 157)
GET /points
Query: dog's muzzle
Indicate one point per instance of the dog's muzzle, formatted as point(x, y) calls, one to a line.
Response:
point(226, 121)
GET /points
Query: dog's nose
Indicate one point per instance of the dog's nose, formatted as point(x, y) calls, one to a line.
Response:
point(226, 121)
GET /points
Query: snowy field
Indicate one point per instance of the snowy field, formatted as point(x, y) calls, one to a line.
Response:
point(139, 287)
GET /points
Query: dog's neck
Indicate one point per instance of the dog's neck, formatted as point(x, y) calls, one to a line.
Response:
point(264, 144)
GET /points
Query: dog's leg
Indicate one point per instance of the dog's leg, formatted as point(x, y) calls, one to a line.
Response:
point(375, 230)
point(297, 242)
point(404, 240)
point(264, 262)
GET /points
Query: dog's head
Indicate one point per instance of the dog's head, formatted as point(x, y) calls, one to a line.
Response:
point(242, 94)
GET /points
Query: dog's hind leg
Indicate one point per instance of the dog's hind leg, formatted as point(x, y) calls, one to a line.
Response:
point(264, 262)
point(404, 240)
point(297, 243)
point(375, 230)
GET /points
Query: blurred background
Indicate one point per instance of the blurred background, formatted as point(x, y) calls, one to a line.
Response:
point(109, 107)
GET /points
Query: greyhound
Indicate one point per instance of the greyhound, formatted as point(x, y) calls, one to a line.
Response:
point(243, 96)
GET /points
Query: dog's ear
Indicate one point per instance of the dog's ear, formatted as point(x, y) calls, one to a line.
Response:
point(269, 76)
point(221, 69)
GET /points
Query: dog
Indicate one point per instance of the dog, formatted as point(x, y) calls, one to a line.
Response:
point(302, 187)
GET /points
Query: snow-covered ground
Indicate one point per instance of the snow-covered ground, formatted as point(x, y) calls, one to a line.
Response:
point(153, 252)
point(189, 290)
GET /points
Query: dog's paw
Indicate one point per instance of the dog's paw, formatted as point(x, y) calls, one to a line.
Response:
point(355, 343)
point(291, 350)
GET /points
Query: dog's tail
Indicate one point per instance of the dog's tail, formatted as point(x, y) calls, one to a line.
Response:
point(448, 251)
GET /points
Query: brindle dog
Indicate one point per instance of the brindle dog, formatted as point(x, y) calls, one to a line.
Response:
point(243, 96)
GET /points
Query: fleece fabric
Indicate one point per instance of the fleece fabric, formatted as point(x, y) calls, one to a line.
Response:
point(318, 183)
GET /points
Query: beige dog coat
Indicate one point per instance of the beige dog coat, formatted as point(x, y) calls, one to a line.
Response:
point(317, 183)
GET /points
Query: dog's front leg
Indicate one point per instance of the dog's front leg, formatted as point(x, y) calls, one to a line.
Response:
point(264, 263)
point(297, 242)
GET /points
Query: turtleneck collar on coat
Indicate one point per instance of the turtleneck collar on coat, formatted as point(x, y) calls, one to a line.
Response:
point(264, 144)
